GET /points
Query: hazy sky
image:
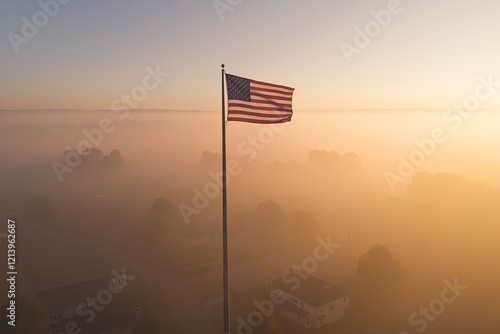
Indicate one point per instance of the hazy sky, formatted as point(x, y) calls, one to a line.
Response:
point(429, 56)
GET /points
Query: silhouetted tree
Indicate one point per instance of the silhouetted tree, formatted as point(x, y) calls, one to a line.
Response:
point(92, 159)
point(378, 268)
point(113, 160)
point(270, 212)
point(269, 225)
point(93, 153)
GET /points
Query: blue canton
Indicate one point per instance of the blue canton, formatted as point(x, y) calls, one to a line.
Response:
point(238, 88)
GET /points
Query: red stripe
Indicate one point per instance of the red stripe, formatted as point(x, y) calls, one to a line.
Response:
point(270, 97)
point(235, 104)
point(257, 114)
point(270, 90)
point(269, 102)
point(270, 85)
point(247, 120)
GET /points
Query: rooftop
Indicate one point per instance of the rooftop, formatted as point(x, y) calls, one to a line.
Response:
point(114, 315)
point(313, 290)
point(289, 306)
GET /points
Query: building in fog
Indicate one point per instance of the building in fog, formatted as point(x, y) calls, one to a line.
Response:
point(312, 303)
point(99, 306)
point(246, 278)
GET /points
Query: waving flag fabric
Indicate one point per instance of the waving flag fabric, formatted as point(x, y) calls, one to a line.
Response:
point(258, 102)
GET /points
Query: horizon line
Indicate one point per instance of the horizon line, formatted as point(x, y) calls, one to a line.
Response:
point(201, 110)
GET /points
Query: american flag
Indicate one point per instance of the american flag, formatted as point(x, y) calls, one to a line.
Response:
point(258, 102)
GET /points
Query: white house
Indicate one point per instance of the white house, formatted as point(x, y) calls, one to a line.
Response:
point(312, 303)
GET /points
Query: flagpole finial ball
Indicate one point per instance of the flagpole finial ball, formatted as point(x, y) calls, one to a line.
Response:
point(222, 65)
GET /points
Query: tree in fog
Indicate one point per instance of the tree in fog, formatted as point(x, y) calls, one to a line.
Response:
point(32, 317)
point(269, 224)
point(160, 214)
point(270, 326)
point(303, 227)
point(91, 157)
point(377, 294)
point(113, 160)
point(161, 232)
point(334, 159)
point(378, 268)
point(87, 159)
point(161, 221)
point(269, 211)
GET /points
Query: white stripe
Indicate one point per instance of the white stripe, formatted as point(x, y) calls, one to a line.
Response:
point(257, 118)
point(266, 98)
point(269, 102)
point(267, 112)
point(266, 104)
point(271, 112)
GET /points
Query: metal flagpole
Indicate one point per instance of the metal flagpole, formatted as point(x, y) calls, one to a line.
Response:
point(224, 213)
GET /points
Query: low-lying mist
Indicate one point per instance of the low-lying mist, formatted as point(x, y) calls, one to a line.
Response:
point(151, 179)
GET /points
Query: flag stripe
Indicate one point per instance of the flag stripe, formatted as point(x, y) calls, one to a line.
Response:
point(263, 103)
point(260, 121)
point(251, 113)
point(267, 102)
point(265, 84)
point(263, 107)
point(241, 113)
point(270, 97)
point(268, 90)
